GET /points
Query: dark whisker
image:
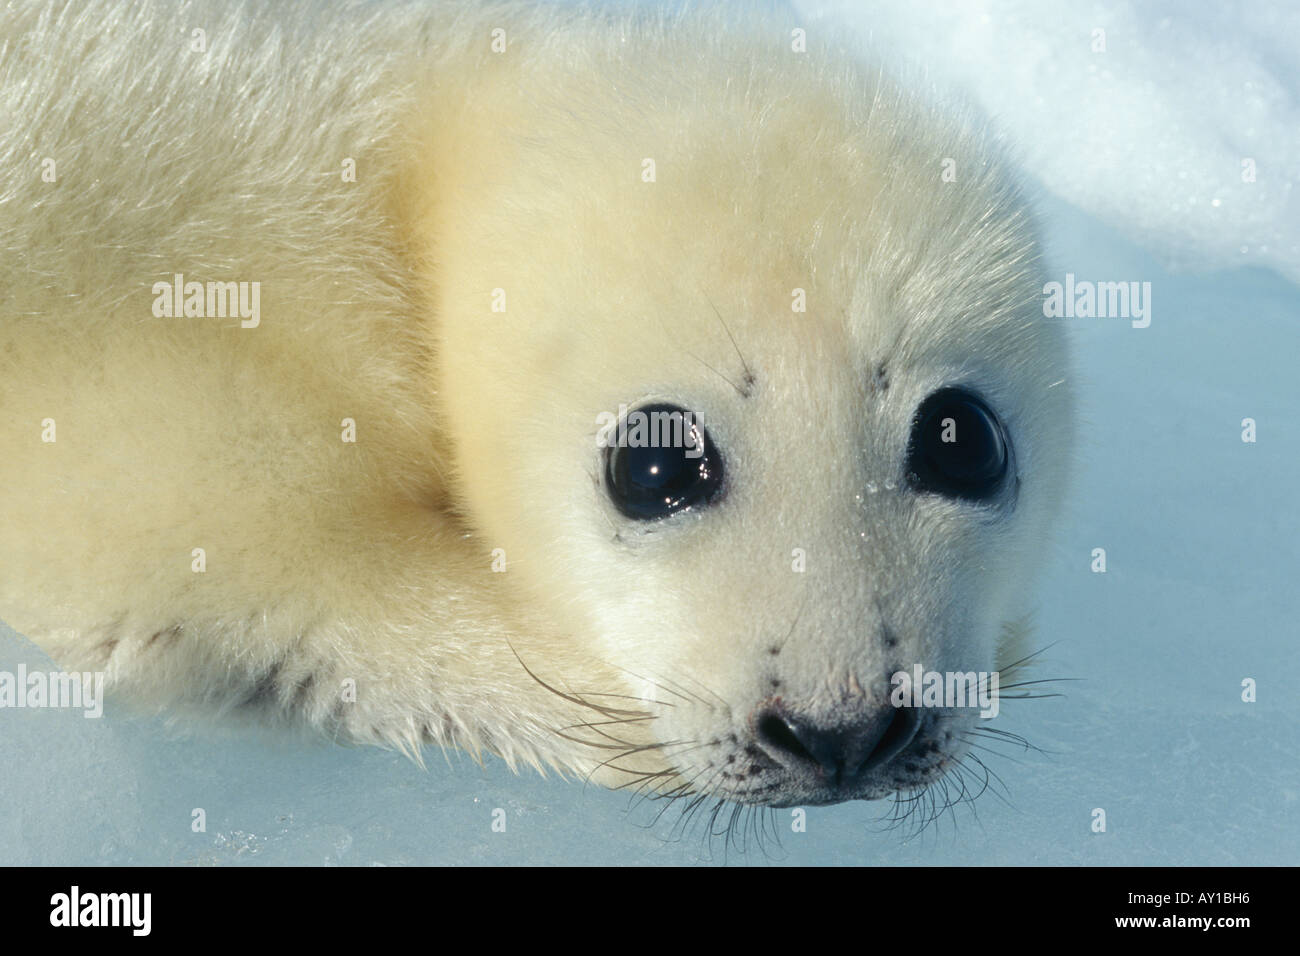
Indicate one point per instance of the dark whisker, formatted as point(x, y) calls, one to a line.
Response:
point(738, 389)
point(1042, 680)
point(1015, 665)
point(749, 373)
point(606, 711)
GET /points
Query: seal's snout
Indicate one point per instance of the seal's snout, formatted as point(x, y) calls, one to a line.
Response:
point(836, 755)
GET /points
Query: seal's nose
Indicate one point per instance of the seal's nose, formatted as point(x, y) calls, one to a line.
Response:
point(841, 752)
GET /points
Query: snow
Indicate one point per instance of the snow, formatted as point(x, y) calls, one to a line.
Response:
point(1146, 124)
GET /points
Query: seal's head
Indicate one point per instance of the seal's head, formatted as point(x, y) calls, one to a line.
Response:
point(840, 288)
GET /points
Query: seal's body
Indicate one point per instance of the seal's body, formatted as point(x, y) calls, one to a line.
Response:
point(313, 319)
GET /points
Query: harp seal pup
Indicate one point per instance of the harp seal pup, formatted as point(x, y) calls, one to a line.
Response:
point(394, 495)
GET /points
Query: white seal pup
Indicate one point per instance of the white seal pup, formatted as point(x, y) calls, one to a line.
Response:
point(329, 337)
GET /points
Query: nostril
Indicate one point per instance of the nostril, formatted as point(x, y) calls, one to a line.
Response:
point(840, 751)
point(801, 745)
point(903, 726)
point(774, 732)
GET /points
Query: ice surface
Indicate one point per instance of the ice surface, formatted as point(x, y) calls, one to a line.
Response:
point(1200, 531)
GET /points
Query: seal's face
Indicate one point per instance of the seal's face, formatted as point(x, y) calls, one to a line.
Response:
point(870, 432)
point(818, 589)
point(809, 536)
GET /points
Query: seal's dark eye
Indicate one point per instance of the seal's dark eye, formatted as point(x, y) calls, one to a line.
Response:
point(958, 447)
point(659, 461)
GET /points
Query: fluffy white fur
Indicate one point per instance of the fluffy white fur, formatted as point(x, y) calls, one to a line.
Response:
point(521, 171)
